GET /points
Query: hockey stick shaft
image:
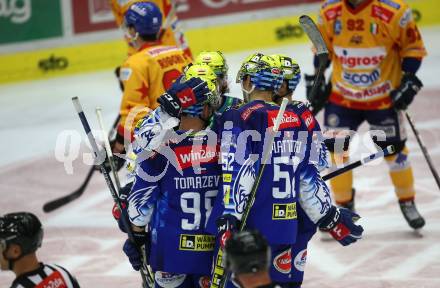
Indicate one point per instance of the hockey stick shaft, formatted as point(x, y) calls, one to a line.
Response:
point(383, 153)
point(108, 149)
point(110, 159)
point(64, 200)
point(268, 151)
point(253, 193)
point(108, 180)
point(424, 150)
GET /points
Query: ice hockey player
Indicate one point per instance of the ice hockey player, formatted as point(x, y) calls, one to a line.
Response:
point(376, 50)
point(173, 195)
point(149, 72)
point(247, 256)
point(149, 131)
point(166, 116)
point(276, 211)
point(171, 35)
point(21, 234)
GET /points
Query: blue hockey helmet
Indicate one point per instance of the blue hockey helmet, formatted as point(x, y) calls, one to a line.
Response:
point(144, 17)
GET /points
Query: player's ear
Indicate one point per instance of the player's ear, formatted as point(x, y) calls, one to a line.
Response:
point(13, 251)
point(207, 111)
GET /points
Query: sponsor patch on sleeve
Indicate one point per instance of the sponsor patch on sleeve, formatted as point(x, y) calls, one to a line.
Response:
point(333, 13)
point(125, 74)
point(382, 13)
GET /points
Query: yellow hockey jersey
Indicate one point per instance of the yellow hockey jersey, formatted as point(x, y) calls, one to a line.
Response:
point(170, 36)
point(367, 45)
point(146, 75)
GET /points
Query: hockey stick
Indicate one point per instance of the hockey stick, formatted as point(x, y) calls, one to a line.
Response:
point(112, 164)
point(219, 270)
point(168, 20)
point(275, 128)
point(423, 148)
point(64, 200)
point(98, 154)
point(315, 36)
point(108, 149)
point(383, 153)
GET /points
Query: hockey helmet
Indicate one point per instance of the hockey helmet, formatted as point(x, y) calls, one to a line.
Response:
point(247, 252)
point(144, 17)
point(205, 73)
point(264, 71)
point(290, 69)
point(215, 60)
point(23, 229)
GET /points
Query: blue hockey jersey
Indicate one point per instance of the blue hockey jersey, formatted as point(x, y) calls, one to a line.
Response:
point(173, 193)
point(244, 136)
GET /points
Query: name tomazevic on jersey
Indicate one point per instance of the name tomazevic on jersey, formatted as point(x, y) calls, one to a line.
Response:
point(196, 182)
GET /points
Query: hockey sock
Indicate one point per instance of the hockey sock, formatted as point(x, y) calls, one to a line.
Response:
point(401, 175)
point(342, 184)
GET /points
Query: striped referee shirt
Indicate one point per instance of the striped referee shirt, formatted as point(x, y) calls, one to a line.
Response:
point(46, 276)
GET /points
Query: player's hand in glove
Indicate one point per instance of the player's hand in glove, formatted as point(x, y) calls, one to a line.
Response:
point(340, 223)
point(117, 146)
point(226, 225)
point(404, 94)
point(183, 94)
point(123, 195)
point(130, 249)
point(323, 92)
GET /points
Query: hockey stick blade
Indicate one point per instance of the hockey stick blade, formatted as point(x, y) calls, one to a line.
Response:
point(383, 153)
point(57, 203)
point(314, 35)
point(316, 38)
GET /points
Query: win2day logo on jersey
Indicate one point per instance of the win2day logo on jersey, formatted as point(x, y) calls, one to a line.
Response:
point(188, 156)
point(289, 120)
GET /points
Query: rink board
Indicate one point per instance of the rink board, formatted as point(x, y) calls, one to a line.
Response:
point(252, 34)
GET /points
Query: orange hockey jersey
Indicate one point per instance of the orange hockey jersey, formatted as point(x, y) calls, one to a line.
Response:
point(146, 75)
point(367, 45)
point(171, 36)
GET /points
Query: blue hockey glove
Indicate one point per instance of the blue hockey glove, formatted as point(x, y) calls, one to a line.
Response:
point(340, 223)
point(404, 94)
point(183, 94)
point(226, 225)
point(130, 249)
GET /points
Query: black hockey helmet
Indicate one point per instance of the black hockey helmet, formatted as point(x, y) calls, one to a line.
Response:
point(247, 252)
point(23, 229)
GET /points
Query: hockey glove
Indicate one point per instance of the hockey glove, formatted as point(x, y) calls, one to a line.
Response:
point(323, 92)
point(123, 195)
point(130, 249)
point(182, 95)
point(404, 94)
point(340, 223)
point(226, 225)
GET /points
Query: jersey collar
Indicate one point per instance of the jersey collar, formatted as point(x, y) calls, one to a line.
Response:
point(149, 44)
point(359, 8)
